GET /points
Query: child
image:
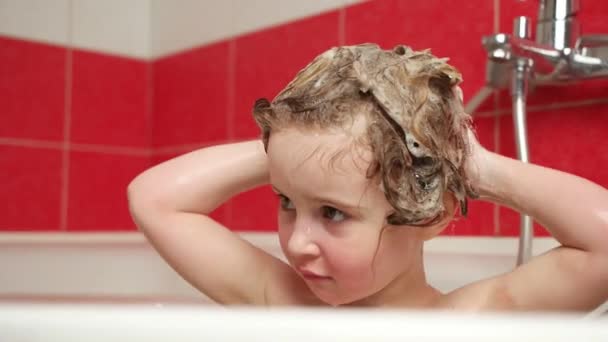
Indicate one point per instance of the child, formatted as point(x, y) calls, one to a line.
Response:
point(371, 155)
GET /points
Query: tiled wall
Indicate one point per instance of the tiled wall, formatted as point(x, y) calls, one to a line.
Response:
point(93, 92)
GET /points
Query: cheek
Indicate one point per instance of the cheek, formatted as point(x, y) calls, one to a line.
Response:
point(351, 259)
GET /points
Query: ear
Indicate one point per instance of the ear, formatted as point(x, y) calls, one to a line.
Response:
point(450, 203)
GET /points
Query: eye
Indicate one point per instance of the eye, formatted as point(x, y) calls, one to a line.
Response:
point(286, 203)
point(333, 214)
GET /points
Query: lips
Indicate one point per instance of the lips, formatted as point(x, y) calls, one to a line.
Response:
point(309, 275)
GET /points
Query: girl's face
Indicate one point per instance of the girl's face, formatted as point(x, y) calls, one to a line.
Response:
point(332, 219)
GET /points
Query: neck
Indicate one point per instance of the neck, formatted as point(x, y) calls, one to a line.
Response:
point(408, 290)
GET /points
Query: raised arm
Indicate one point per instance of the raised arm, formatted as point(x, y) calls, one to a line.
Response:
point(170, 203)
point(575, 211)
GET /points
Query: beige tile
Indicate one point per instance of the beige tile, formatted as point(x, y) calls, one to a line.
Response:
point(113, 26)
point(256, 15)
point(182, 24)
point(41, 20)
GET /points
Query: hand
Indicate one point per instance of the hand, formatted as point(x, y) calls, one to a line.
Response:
point(476, 162)
point(476, 156)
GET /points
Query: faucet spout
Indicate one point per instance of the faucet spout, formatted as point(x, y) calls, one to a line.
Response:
point(558, 25)
point(588, 67)
point(557, 9)
point(590, 57)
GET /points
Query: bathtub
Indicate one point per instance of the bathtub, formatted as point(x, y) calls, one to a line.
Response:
point(73, 284)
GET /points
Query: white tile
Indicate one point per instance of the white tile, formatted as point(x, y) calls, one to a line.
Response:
point(112, 26)
point(43, 20)
point(182, 24)
point(256, 15)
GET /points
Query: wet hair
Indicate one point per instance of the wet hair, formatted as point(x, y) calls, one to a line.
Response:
point(416, 125)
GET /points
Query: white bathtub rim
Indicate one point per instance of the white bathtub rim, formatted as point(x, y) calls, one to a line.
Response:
point(58, 323)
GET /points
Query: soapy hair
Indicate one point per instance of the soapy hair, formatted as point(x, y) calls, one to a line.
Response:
point(416, 125)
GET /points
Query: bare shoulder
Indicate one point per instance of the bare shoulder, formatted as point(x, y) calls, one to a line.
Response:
point(562, 279)
point(490, 294)
point(284, 287)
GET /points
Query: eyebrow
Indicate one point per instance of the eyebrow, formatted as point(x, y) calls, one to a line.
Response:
point(330, 201)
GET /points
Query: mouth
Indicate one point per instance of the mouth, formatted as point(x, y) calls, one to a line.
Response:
point(309, 275)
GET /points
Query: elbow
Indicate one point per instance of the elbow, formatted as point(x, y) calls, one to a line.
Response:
point(135, 194)
point(144, 206)
point(142, 192)
point(135, 201)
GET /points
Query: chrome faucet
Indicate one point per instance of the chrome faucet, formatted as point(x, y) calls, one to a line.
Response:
point(558, 54)
point(558, 24)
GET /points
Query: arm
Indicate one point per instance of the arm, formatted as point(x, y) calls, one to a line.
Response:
point(170, 203)
point(575, 211)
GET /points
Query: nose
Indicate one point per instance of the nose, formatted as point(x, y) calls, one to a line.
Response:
point(301, 242)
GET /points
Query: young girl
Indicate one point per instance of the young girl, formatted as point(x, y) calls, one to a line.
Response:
point(370, 155)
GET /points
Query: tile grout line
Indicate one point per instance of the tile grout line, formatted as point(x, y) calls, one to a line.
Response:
point(107, 149)
point(130, 151)
point(60, 145)
point(549, 106)
point(562, 105)
point(127, 150)
point(67, 117)
point(342, 25)
point(33, 143)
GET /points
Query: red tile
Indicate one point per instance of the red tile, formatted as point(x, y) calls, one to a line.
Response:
point(31, 189)
point(478, 222)
point(542, 95)
point(488, 105)
point(32, 89)
point(255, 210)
point(109, 100)
point(570, 140)
point(161, 158)
point(484, 130)
point(267, 60)
point(592, 16)
point(97, 190)
point(511, 9)
point(221, 214)
point(510, 226)
point(190, 96)
point(456, 34)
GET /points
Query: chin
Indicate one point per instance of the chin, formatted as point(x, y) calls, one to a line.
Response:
point(333, 299)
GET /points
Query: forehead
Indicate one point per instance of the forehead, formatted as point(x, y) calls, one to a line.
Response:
point(306, 161)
